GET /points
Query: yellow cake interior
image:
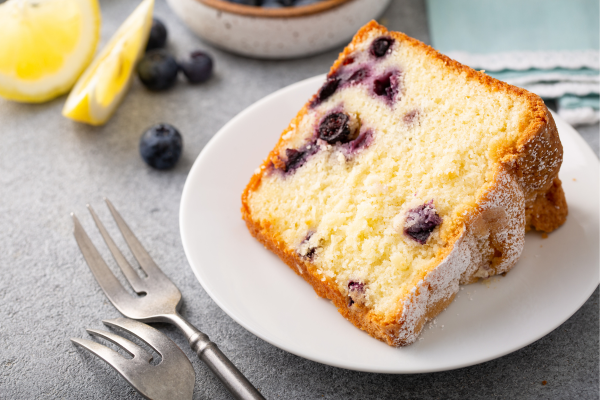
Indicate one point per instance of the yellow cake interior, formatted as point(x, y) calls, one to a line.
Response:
point(349, 208)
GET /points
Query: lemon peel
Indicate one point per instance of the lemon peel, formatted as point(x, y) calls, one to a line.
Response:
point(102, 86)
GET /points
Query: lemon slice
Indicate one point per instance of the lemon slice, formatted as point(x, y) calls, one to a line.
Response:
point(45, 45)
point(102, 86)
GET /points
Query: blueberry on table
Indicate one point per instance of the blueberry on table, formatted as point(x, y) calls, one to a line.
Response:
point(157, 70)
point(158, 35)
point(198, 68)
point(160, 146)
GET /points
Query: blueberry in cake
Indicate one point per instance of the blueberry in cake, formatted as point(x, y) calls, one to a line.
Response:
point(404, 176)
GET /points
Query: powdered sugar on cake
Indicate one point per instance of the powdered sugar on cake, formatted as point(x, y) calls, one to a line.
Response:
point(504, 202)
point(406, 175)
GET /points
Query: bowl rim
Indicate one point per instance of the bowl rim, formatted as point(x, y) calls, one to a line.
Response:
point(283, 12)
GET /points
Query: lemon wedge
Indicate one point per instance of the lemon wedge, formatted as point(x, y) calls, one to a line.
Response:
point(102, 86)
point(45, 45)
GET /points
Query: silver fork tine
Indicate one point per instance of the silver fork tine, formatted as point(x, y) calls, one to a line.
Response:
point(149, 335)
point(132, 348)
point(160, 304)
point(113, 289)
point(172, 379)
point(134, 279)
point(140, 254)
point(110, 356)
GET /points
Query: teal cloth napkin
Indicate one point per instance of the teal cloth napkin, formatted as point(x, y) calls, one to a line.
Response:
point(549, 47)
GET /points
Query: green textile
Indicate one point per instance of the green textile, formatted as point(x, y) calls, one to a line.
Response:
point(549, 47)
point(571, 102)
point(492, 26)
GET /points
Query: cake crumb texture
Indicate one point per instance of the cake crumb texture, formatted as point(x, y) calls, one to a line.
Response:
point(405, 175)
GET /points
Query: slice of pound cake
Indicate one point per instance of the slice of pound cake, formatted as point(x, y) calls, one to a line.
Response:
point(404, 176)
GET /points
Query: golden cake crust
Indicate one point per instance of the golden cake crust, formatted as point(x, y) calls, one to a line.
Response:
point(524, 194)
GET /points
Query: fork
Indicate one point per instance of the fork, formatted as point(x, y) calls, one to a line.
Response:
point(158, 299)
point(172, 379)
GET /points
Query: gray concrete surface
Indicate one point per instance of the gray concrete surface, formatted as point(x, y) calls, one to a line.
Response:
point(50, 166)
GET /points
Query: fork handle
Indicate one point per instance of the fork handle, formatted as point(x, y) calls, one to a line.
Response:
point(219, 364)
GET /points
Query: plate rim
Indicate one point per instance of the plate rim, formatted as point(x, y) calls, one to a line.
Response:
point(581, 144)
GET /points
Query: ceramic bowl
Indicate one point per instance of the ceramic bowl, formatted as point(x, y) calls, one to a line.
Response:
point(277, 33)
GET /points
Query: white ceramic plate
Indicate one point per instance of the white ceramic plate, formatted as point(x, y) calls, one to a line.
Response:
point(553, 278)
